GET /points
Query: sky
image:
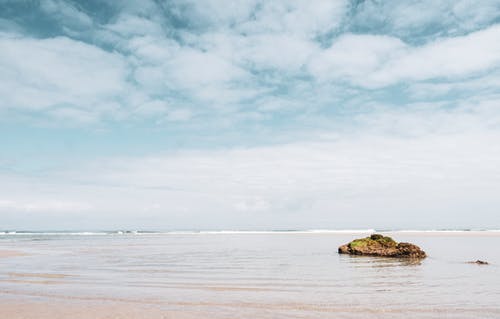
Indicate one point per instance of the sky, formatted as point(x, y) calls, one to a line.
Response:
point(249, 114)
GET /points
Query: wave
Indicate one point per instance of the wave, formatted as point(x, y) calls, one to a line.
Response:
point(438, 230)
point(323, 231)
point(275, 231)
point(66, 233)
point(222, 232)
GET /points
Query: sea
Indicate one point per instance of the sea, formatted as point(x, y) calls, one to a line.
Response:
point(255, 274)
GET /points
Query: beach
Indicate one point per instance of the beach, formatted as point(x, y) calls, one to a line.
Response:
point(244, 275)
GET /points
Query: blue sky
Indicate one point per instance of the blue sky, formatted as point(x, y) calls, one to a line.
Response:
point(249, 114)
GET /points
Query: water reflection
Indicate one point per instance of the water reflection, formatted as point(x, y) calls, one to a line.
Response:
point(292, 272)
point(378, 262)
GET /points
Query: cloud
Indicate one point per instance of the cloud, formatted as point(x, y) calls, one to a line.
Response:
point(41, 206)
point(449, 58)
point(301, 18)
point(421, 21)
point(51, 73)
point(382, 180)
point(258, 17)
point(378, 61)
point(247, 61)
point(283, 52)
point(414, 167)
point(250, 113)
point(355, 57)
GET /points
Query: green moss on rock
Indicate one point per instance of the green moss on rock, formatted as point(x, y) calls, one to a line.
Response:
point(379, 245)
point(372, 241)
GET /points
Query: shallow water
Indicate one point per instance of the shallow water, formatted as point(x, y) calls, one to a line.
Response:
point(248, 275)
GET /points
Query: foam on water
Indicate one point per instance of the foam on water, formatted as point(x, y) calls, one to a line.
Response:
point(228, 232)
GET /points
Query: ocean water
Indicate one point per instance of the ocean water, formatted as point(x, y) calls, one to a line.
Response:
point(257, 274)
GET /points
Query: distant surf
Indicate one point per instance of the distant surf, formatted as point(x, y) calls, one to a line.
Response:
point(215, 232)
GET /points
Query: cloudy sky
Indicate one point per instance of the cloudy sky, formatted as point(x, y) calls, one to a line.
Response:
point(249, 114)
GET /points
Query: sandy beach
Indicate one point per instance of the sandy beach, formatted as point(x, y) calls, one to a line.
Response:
point(19, 308)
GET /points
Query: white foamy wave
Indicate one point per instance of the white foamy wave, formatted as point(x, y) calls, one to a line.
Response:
point(5, 233)
point(341, 231)
point(306, 231)
point(53, 233)
point(8, 232)
point(440, 231)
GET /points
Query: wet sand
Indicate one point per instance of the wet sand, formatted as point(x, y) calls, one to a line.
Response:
point(23, 308)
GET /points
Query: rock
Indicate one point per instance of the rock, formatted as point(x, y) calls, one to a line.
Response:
point(383, 246)
point(478, 262)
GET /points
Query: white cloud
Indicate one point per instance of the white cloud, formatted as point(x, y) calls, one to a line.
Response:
point(194, 69)
point(74, 115)
point(424, 20)
point(448, 58)
point(41, 206)
point(355, 57)
point(40, 74)
point(446, 166)
point(301, 17)
point(155, 107)
point(378, 61)
point(179, 115)
point(151, 50)
point(480, 86)
point(248, 59)
point(283, 52)
point(203, 77)
point(297, 185)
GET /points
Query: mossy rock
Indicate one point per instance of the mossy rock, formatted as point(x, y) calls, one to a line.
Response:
point(379, 245)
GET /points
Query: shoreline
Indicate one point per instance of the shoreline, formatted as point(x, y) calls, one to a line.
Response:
point(14, 234)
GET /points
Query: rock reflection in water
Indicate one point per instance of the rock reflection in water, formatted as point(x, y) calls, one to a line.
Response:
point(379, 262)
